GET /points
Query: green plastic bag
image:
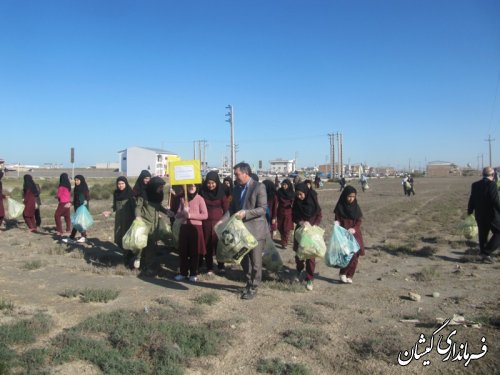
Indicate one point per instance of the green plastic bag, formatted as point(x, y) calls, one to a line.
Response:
point(176, 229)
point(469, 227)
point(14, 208)
point(136, 237)
point(164, 231)
point(311, 242)
point(235, 241)
point(271, 258)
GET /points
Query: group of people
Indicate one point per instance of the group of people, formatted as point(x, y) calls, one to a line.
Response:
point(262, 207)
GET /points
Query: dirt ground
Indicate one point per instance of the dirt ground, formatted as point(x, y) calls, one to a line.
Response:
point(412, 245)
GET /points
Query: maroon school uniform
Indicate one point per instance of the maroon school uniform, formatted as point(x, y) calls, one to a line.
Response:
point(310, 211)
point(30, 193)
point(284, 216)
point(349, 216)
point(216, 209)
point(217, 204)
point(284, 211)
point(273, 214)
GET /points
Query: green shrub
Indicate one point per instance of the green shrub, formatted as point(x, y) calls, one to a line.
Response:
point(25, 331)
point(304, 338)
point(207, 298)
point(32, 265)
point(6, 305)
point(276, 366)
point(98, 295)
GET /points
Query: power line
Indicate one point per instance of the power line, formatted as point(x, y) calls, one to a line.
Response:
point(489, 140)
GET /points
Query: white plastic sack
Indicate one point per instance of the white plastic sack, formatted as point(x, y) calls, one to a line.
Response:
point(235, 241)
point(136, 237)
point(311, 242)
point(14, 208)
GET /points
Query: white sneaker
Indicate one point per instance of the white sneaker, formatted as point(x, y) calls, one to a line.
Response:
point(193, 279)
point(309, 285)
point(210, 273)
point(68, 240)
point(81, 240)
point(349, 280)
point(137, 263)
point(179, 277)
point(343, 279)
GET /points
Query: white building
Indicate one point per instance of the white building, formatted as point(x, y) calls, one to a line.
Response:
point(281, 166)
point(134, 159)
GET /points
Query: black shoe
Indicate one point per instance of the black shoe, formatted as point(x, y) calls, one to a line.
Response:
point(249, 293)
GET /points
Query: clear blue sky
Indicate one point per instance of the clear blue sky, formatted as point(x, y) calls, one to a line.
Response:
point(400, 79)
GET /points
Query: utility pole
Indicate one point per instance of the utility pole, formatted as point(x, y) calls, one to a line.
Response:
point(194, 150)
point(339, 169)
point(489, 140)
point(230, 119)
point(341, 156)
point(332, 154)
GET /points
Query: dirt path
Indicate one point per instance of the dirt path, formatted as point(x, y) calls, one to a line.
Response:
point(359, 325)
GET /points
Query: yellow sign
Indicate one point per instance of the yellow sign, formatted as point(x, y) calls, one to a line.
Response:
point(184, 172)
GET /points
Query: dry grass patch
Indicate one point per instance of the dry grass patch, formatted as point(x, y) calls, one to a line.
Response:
point(305, 338)
point(426, 274)
point(284, 286)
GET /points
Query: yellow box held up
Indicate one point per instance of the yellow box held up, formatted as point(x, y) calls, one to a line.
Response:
point(184, 172)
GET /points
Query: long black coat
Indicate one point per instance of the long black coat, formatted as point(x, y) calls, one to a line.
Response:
point(484, 203)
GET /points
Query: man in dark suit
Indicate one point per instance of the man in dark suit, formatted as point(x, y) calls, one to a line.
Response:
point(250, 203)
point(485, 205)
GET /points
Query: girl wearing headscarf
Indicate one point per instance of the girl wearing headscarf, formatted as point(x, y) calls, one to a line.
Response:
point(348, 215)
point(191, 241)
point(63, 208)
point(228, 188)
point(81, 196)
point(30, 193)
point(212, 192)
point(286, 196)
point(176, 193)
point(124, 208)
point(272, 206)
point(148, 209)
point(305, 208)
point(2, 197)
point(141, 183)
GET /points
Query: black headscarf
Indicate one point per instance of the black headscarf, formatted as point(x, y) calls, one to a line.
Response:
point(191, 196)
point(151, 194)
point(29, 184)
point(346, 210)
point(309, 206)
point(270, 190)
point(217, 193)
point(288, 193)
point(140, 186)
point(82, 188)
point(64, 181)
point(254, 177)
point(121, 195)
point(228, 190)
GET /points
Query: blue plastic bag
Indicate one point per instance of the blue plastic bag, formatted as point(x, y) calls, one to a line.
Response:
point(341, 248)
point(82, 219)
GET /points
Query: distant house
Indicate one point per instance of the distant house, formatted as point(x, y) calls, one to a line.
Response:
point(442, 169)
point(134, 159)
point(281, 166)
